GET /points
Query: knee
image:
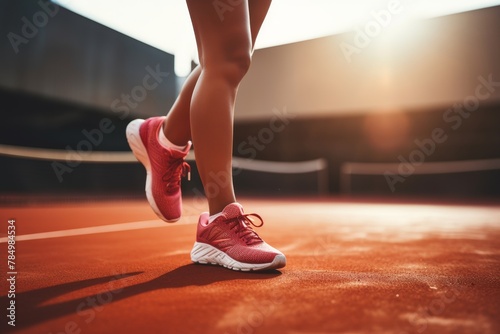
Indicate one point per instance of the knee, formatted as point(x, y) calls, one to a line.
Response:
point(232, 67)
point(240, 63)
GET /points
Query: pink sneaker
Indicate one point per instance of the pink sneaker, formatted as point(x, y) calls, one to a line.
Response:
point(164, 167)
point(231, 242)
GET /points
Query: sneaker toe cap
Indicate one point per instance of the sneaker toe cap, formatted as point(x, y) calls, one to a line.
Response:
point(260, 253)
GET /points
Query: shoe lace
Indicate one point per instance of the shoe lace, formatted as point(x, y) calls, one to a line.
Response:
point(178, 168)
point(242, 226)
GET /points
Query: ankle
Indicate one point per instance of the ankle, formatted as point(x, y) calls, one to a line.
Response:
point(217, 208)
point(166, 143)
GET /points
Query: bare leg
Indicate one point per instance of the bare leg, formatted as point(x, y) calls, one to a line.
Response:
point(224, 50)
point(258, 10)
point(177, 124)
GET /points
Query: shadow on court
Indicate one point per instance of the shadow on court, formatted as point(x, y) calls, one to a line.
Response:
point(34, 311)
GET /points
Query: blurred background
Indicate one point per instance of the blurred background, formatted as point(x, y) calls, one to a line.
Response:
point(373, 98)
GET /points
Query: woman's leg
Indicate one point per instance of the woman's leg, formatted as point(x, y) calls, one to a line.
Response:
point(177, 123)
point(224, 48)
point(258, 10)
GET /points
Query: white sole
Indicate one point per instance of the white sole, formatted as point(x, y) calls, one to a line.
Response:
point(206, 254)
point(139, 150)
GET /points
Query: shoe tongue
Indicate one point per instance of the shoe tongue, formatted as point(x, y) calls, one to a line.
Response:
point(233, 210)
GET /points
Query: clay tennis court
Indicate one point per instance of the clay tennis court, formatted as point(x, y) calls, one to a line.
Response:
point(353, 267)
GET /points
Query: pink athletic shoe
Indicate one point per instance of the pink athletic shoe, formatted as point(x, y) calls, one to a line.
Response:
point(231, 242)
point(164, 167)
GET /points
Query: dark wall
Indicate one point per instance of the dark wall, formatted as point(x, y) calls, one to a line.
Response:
point(50, 51)
point(383, 138)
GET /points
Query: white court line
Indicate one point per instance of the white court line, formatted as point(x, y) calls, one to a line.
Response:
point(99, 229)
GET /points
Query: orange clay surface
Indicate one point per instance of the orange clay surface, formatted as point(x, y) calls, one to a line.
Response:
point(353, 267)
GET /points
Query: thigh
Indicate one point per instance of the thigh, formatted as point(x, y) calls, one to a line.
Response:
point(258, 10)
point(222, 30)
